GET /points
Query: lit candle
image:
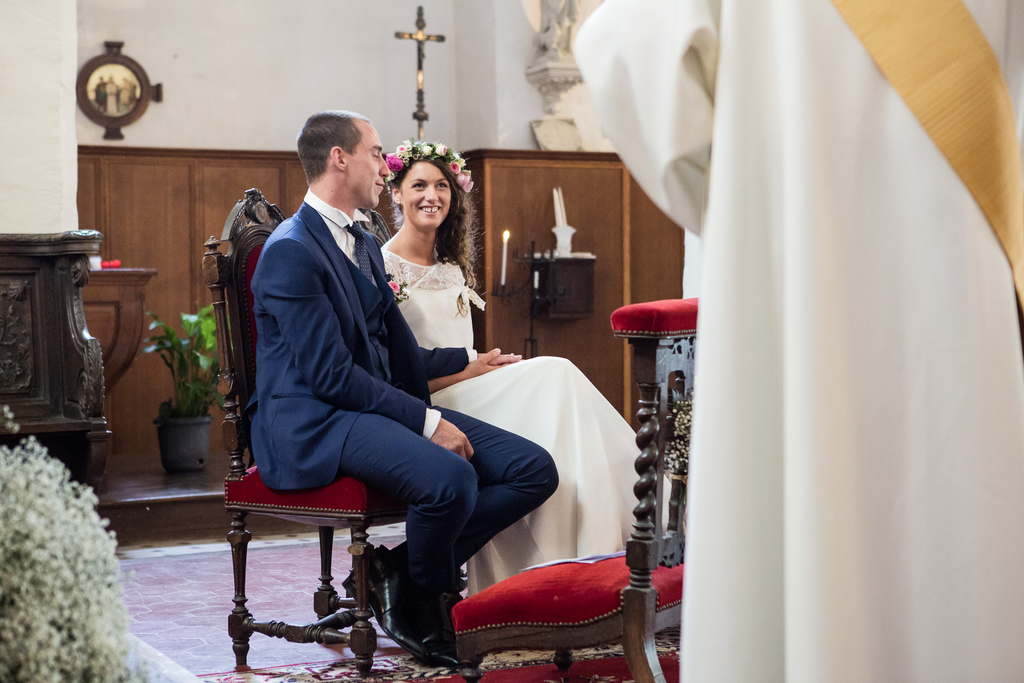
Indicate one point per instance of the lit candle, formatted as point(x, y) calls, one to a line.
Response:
point(504, 256)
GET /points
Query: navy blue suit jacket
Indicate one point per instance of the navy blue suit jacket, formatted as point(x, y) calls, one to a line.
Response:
point(314, 367)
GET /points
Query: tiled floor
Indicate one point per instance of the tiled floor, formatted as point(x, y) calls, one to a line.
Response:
point(180, 597)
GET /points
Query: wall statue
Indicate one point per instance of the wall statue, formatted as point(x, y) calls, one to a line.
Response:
point(554, 40)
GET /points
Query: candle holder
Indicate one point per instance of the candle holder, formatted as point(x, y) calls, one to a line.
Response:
point(539, 303)
point(506, 292)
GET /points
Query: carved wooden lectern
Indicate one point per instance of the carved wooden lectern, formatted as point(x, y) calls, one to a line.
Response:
point(51, 370)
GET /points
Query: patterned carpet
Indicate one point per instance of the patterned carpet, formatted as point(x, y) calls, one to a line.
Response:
point(603, 664)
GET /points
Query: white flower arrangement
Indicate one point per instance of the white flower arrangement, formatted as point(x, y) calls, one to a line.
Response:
point(62, 618)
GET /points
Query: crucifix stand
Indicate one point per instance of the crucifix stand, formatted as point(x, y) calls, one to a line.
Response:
point(420, 115)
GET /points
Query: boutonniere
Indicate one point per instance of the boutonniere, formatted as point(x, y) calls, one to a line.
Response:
point(400, 290)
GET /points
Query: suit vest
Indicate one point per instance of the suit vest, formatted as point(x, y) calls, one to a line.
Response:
point(372, 302)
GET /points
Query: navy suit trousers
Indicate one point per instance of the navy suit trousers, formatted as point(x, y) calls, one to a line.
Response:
point(455, 506)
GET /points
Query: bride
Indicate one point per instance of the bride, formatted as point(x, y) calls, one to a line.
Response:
point(547, 399)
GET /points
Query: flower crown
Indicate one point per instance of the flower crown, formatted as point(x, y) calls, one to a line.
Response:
point(411, 151)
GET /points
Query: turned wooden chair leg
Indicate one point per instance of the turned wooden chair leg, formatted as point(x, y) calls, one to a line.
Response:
point(638, 607)
point(469, 669)
point(563, 659)
point(325, 593)
point(240, 620)
point(639, 598)
point(363, 638)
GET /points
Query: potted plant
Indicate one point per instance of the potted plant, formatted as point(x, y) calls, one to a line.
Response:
point(183, 422)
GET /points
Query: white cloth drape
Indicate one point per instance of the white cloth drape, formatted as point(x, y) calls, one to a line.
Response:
point(857, 476)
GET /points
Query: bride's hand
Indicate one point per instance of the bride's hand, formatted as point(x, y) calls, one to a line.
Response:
point(484, 363)
point(487, 362)
point(503, 359)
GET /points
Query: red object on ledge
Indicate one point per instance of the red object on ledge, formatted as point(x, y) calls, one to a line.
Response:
point(655, 319)
point(116, 263)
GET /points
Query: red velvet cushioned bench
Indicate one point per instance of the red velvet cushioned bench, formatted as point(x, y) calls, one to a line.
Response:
point(571, 605)
point(656, 319)
point(567, 595)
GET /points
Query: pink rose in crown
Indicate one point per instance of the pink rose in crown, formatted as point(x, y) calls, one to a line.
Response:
point(395, 287)
point(395, 164)
point(464, 181)
point(455, 167)
point(440, 150)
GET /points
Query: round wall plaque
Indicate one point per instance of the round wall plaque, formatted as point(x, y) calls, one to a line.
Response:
point(114, 90)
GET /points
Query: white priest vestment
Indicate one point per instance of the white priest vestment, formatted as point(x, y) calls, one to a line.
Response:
point(857, 477)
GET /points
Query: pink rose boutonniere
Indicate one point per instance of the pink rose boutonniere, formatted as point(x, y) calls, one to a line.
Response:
point(400, 290)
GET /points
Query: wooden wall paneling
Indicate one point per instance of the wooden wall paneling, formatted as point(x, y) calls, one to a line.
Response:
point(516, 196)
point(294, 187)
point(639, 250)
point(156, 207)
point(88, 178)
point(656, 258)
point(656, 245)
point(221, 184)
point(150, 210)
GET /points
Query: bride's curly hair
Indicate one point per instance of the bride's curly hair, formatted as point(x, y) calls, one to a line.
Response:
point(455, 236)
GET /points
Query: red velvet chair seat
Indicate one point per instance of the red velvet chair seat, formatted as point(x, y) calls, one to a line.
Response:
point(562, 595)
point(656, 319)
point(343, 496)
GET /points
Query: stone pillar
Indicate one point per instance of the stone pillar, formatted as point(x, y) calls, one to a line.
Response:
point(51, 373)
point(38, 145)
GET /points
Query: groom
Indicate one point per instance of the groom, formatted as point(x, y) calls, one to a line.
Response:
point(342, 390)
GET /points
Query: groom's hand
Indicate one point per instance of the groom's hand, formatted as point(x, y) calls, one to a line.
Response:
point(451, 437)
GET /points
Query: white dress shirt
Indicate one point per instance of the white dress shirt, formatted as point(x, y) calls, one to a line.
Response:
point(337, 222)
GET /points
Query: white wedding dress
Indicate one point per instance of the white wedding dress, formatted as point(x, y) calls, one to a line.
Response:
point(547, 400)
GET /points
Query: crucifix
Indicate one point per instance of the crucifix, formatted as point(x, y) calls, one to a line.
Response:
point(420, 115)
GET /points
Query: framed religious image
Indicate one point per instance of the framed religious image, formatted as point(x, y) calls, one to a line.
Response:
point(114, 90)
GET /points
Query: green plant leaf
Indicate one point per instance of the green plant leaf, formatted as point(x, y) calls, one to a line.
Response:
point(192, 360)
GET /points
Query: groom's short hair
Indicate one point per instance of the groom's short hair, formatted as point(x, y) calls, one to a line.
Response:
point(321, 133)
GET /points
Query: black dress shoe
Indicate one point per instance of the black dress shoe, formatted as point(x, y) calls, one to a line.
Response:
point(439, 641)
point(441, 651)
point(393, 604)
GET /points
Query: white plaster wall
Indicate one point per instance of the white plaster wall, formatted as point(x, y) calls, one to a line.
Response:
point(519, 103)
point(245, 74)
point(496, 101)
point(476, 87)
point(38, 150)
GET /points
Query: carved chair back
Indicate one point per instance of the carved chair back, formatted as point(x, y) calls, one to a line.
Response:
point(345, 502)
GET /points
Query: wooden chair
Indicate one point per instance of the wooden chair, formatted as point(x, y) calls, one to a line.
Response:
point(345, 502)
point(575, 605)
